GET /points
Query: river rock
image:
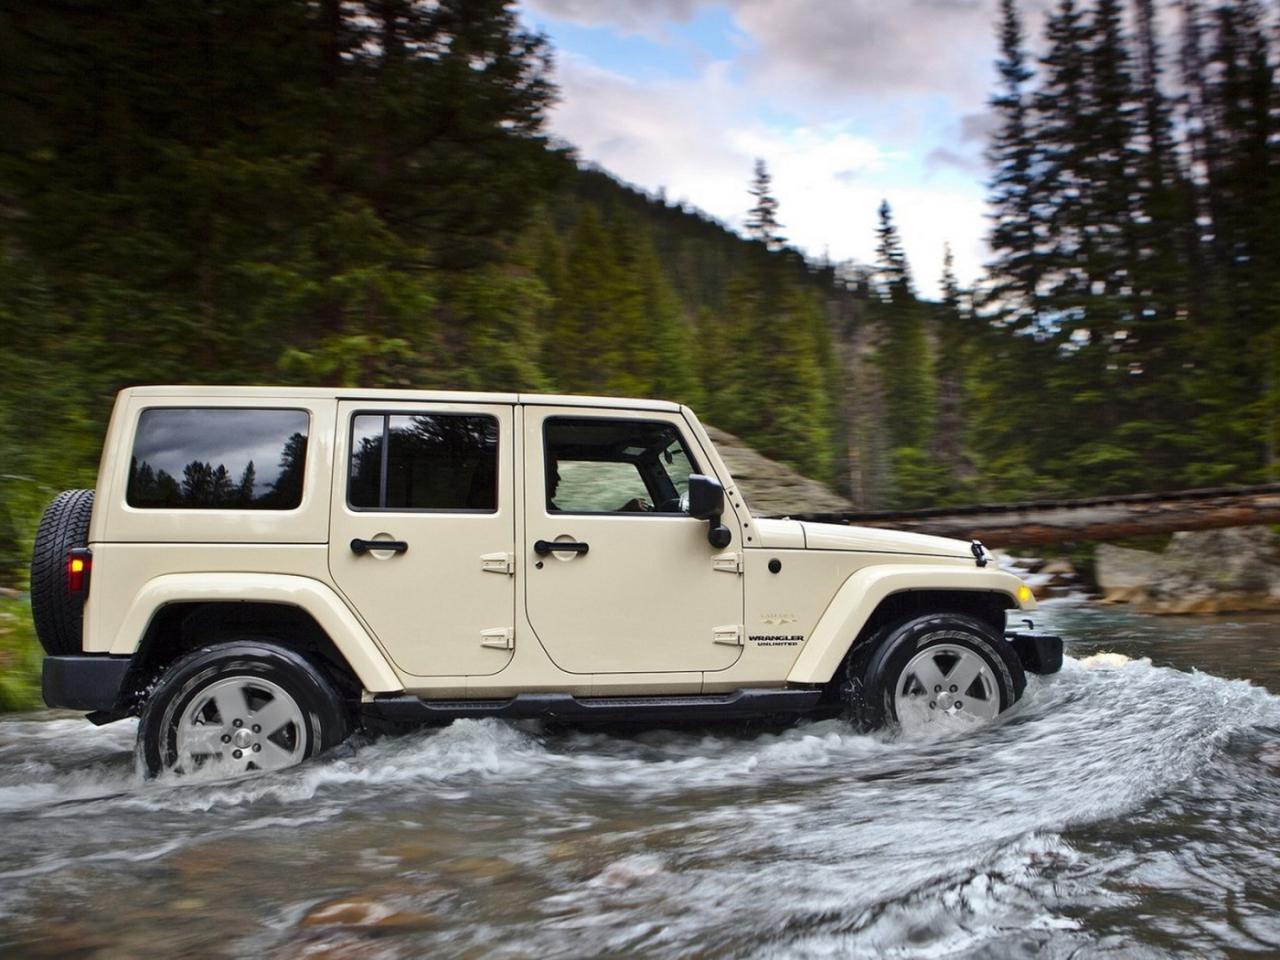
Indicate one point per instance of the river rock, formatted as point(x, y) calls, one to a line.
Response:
point(1057, 567)
point(1206, 571)
point(361, 912)
point(1124, 575)
point(772, 488)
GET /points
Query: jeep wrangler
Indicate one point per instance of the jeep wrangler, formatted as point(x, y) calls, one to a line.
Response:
point(260, 571)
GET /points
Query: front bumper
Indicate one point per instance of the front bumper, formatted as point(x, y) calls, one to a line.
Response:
point(1038, 652)
point(86, 683)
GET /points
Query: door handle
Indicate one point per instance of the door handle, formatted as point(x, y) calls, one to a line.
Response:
point(360, 547)
point(543, 547)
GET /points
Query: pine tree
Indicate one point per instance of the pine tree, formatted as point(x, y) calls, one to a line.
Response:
point(762, 220)
point(1014, 273)
point(245, 489)
point(1062, 184)
point(907, 370)
point(953, 328)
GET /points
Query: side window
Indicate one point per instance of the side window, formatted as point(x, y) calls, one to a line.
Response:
point(218, 458)
point(438, 461)
point(596, 465)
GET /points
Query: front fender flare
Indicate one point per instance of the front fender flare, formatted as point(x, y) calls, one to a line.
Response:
point(858, 597)
point(363, 655)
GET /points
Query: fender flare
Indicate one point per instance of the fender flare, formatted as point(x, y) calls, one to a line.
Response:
point(860, 595)
point(366, 659)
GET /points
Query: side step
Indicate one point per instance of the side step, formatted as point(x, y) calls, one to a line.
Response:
point(739, 705)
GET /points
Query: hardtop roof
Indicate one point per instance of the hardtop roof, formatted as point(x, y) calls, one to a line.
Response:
point(194, 391)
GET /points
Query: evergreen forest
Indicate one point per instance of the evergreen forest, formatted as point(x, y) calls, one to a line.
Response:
point(366, 194)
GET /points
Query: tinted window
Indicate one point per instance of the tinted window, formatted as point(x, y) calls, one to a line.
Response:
point(615, 466)
point(425, 462)
point(218, 458)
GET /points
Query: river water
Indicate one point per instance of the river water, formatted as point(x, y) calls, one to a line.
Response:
point(1124, 809)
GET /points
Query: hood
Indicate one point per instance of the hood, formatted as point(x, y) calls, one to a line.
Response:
point(778, 534)
point(834, 536)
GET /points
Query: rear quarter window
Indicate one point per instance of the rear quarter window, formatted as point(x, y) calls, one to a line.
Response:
point(218, 458)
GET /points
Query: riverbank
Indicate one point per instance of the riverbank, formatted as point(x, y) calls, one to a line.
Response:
point(19, 657)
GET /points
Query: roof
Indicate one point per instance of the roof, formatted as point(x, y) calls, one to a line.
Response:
point(415, 396)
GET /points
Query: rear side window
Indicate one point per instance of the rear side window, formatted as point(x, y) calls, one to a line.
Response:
point(218, 458)
point(438, 461)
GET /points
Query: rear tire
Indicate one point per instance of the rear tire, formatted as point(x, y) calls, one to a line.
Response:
point(904, 673)
point(58, 614)
point(239, 707)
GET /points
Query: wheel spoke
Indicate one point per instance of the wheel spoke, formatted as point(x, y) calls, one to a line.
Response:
point(231, 704)
point(273, 756)
point(274, 715)
point(963, 673)
point(986, 708)
point(199, 741)
point(928, 674)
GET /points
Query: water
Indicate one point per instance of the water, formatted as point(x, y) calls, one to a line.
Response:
point(1123, 809)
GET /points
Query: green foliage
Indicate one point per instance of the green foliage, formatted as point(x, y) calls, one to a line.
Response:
point(20, 657)
point(290, 191)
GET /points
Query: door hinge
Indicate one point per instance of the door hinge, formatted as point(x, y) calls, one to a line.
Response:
point(727, 562)
point(498, 638)
point(498, 563)
point(730, 635)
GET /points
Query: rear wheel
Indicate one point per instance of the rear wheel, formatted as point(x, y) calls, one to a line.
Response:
point(240, 707)
point(934, 669)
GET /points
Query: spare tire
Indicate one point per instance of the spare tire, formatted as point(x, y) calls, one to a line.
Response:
point(57, 612)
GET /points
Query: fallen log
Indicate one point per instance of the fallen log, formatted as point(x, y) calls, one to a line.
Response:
point(1040, 522)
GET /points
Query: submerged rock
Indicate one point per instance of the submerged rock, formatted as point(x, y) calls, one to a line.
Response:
point(362, 912)
point(1205, 571)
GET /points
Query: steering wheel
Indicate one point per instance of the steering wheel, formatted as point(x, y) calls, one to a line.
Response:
point(636, 505)
point(674, 505)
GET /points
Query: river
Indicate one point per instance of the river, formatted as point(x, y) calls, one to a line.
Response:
point(1123, 809)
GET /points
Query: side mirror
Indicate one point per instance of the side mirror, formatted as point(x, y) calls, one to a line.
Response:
point(706, 502)
point(706, 497)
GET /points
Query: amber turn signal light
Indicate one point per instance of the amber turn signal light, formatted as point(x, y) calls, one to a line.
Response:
point(79, 565)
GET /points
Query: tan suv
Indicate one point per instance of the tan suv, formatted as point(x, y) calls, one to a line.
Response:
point(262, 570)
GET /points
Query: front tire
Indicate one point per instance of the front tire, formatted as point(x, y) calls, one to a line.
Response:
point(933, 669)
point(239, 707)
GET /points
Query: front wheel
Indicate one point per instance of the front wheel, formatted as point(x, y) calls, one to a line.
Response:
point(239, 707)
point(938, 668)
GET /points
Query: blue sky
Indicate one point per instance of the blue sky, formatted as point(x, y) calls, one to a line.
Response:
point(847, 101)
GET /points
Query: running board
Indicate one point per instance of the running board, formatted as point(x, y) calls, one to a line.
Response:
point(739, 705)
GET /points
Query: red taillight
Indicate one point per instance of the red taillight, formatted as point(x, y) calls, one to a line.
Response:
point(79, 566)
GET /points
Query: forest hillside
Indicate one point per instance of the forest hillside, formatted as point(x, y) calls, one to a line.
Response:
point(284, 191)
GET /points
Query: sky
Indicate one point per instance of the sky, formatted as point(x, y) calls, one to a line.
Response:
point(848, 102)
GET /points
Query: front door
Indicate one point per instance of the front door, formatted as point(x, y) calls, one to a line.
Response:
point(435, 483)
point(639, 590)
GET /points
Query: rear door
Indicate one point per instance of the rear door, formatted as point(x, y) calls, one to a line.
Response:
point(435, 483)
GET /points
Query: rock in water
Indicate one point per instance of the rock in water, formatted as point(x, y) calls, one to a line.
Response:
point(1204, 571)
point(1125, 575)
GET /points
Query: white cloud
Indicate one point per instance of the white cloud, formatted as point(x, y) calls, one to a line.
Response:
point(632, 16)
point(698, 139)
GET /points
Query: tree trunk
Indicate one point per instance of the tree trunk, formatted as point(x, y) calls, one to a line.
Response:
point(1044, 522)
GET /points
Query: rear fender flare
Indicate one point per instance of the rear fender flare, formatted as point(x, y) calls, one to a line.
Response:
point(860, 595)
point(366, 659)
